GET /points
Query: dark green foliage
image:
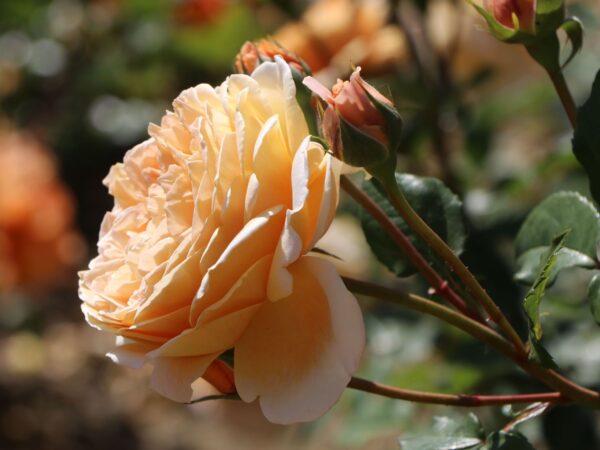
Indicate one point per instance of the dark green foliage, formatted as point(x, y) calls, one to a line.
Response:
point(434, 202)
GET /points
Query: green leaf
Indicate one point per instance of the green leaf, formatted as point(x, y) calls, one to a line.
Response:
point(502, 440)
point(438, 443)
point(539, 355)
point(536, 293)
point(434, 202)
point(557, 213)
point(533, 299)
point(529, 264)
point(574, 31)
point(530, 412)
point(593, 296)
point(447, 434)
point(586, 140)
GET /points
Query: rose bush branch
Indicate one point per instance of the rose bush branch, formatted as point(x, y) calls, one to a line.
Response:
point(550, 378)
point(418, 225)
point(432, 398)
point(560, 85)
point(464, 400)
point(440, 286)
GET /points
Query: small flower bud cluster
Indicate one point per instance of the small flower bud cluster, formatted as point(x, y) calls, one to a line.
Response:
point(254, 54)
point(359, 125)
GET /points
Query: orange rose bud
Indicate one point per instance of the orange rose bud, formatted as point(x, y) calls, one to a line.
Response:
point(505, 11)
point(357, 121)
point(252, 54)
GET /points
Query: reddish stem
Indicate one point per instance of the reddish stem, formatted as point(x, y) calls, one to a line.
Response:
point(465, 400)
point(439, 285)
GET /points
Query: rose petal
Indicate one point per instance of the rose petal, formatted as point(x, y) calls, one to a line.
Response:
point(318, 88)
point(220, 325)
point(255, 240)
point(173, 377)
point(298, 354)
point(276, 83)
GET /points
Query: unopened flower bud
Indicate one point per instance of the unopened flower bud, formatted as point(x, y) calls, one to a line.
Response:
point(252, 54)
point(534, 24)
point(525, 22)
point(359, 124)
point(513, 14)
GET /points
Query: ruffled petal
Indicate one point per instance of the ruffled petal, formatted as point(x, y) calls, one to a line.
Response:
point(257, 239)
point(277, 85)
point(298, 354)
point(174, 377)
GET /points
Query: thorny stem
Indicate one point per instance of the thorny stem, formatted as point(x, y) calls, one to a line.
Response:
point(440, 285)
point(554, 380)
point(558, 80)
point(429, 307)
point(466, 400)
point(413, 220)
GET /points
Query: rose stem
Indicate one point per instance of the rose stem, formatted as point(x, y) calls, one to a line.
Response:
point(558, 80)
point(552, 379)
point(467, 400)
point(440, 285)
point(413, 220)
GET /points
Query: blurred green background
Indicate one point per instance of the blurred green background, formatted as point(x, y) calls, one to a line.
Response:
point(79, 83)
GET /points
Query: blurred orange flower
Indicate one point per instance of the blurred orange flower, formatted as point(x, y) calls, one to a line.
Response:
point(37, 239)
point(333, 35)
point(205, 250)
point(199, 12)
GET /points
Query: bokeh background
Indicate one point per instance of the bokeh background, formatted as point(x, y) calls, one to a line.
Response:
point(81, 80)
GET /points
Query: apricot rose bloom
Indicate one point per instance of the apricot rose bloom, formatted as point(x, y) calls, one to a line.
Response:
point(206, 249)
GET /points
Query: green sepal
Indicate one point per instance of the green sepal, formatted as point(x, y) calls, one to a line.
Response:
point(360, 149)
point(304, 99)
point(574, 31)
point(393, 122)
point(385, 170)
point(320, 140)
point(549, 16)
point(501, 32)
point(546, 52)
